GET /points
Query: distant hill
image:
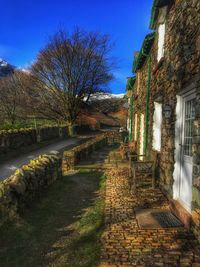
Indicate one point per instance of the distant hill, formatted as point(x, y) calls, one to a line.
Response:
point(5, 68)
point(101, 110)
point(107, 110)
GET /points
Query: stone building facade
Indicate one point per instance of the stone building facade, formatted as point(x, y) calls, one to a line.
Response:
point(166, 103)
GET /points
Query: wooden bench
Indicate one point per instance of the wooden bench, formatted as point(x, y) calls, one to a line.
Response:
point(143, 165)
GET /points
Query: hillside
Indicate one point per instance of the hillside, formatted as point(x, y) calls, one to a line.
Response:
point(104, 111)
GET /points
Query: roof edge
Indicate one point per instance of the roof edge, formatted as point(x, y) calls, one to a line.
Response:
point(155, 9)
point(144, 51)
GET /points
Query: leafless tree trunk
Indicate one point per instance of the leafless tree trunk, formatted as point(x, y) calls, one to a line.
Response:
point(13, 96)
point(69, 69)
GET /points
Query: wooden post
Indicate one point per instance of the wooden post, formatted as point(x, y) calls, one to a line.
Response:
point(134, 178)
point(153, 177)
point(130, 171)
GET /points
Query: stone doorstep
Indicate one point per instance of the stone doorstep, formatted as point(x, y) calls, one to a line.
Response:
point(180, 212)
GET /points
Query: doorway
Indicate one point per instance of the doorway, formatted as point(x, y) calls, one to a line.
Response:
point(184, 162)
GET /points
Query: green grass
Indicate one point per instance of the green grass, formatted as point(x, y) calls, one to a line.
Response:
point(27, 123)
point(62, 229)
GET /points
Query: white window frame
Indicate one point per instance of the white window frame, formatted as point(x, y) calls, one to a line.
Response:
point(142, 129)
point(161, 41)
point(157, 126)
point(135, 127)
point(138, 83)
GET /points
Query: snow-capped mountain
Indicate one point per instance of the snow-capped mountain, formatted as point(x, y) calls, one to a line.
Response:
point(102, 96)
point(5, 68)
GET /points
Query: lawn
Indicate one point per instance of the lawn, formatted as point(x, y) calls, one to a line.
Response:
point(62, 228)
point(27, 123)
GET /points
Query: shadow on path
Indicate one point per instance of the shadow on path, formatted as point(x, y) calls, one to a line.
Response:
point(60, 229)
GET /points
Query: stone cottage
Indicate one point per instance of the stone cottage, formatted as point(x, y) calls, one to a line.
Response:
point(165, 103)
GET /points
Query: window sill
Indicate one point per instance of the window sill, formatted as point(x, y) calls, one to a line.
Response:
point(159, 65)
point(157, 151)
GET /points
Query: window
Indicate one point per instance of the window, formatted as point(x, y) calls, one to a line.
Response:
point(138, 83)
point(157, 124)
point(128, 125)
point(135, 129)
point(189, 118)
point(141, 135)
point(161, 41)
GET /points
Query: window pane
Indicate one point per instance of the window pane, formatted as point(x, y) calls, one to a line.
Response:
point(188, 126)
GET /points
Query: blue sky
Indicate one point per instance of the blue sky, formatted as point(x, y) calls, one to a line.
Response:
point(26, 24)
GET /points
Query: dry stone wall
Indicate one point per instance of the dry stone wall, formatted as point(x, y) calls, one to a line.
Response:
point(73, 156)
point(81, 129)
point(15, 140)
point(20, 189)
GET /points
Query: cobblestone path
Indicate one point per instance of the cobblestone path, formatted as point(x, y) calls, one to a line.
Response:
point(125, 244)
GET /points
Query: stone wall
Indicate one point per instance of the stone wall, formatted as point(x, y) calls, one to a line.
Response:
point(113, 137)
point(49, 133)
point(73, 156)
point(178, 70)
point(12, 141)
point(81, 129)
point(20, 189)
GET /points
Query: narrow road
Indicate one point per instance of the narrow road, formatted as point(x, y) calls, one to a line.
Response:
point(61, 227)
point(8, 167)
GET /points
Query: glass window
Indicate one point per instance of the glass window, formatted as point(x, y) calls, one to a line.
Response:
point(161, 41)
point(188, 126)
point(138, 83)
point(135, 128)
point(157, 124)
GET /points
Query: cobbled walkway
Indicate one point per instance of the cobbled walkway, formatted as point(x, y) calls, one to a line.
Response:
point(125, 244)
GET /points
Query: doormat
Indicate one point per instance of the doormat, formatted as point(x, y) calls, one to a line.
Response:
point(156, 219)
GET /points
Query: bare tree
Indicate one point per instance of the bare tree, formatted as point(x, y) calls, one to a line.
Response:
point(13, 96)
point(69, 69)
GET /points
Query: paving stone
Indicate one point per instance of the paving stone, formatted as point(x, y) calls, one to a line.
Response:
point(125, 244)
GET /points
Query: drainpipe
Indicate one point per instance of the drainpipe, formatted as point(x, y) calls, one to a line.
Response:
point(131, 119)
point(147, 105)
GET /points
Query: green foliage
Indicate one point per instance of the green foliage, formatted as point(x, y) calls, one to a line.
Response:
point(28, 123)
point(130, 83)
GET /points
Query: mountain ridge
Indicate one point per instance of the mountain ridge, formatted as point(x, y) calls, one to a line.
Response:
point(5, 68)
